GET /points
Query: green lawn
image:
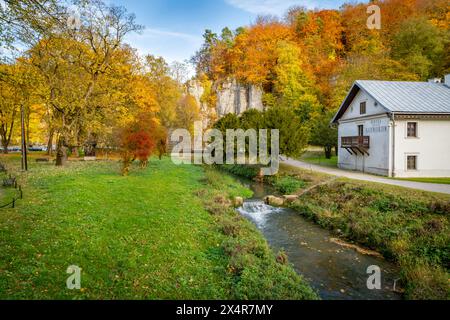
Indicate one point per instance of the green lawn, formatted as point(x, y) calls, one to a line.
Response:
point(317, 157)
point(146, 236)
point(6, 193)
point(428, 180)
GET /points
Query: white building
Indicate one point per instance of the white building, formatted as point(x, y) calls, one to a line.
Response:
point(396, 129)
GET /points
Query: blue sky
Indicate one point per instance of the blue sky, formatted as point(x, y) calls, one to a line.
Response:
point(174, 28)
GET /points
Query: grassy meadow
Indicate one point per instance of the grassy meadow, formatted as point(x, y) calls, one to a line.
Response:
point(165, 232)
point(317, 156)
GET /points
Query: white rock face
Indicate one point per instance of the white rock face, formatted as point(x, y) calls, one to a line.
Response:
point(233, 97)
point(195, 89)
point(255, 98)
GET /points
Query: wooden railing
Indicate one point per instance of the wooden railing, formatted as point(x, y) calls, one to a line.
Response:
point(355, 142)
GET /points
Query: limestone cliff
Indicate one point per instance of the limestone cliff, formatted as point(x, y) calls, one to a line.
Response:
point(232, 97)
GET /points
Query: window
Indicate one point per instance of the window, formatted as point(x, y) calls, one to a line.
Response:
point(362, 108)
point(412, 162)
point(412, 130)
point(360, 130)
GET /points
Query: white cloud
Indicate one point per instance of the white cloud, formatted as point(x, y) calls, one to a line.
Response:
point(172, 45)
point(275, 7)
point(156, 33)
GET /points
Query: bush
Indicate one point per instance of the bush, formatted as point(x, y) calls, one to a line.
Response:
point(288, 184)
point(139, 139)
point(246, 171)
point(425, 281)
point(136, 145)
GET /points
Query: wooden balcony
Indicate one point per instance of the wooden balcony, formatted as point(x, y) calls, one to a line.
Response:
point(356, 145)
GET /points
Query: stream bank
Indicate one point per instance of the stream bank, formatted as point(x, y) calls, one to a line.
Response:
point(336, 271)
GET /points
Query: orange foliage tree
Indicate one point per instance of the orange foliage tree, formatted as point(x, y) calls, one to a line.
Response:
point(336, 48)
point(254, 55)
point(139, 141)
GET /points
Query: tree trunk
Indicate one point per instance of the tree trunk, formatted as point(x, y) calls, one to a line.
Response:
point(336, 150)
point(50, 142)
point(61, 153)
point(5, 135)
point(328, 151)
point(28, 129)
point(5, 142)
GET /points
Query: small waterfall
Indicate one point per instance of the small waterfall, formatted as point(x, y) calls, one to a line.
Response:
point(258, 211)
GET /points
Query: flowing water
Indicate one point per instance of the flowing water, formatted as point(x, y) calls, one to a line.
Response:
point(336, 272)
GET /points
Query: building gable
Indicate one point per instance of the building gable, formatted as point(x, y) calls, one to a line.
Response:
point(371, 106)
point(350, 108)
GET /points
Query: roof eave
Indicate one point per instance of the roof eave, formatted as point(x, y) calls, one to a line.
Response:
point(350, 96)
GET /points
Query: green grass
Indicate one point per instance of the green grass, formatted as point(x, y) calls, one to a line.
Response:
point(318, 158)
point(246, 171)
point(166, 232)
point(409, 227)
point(287, 184)
point(428, 180)
point(6, 193)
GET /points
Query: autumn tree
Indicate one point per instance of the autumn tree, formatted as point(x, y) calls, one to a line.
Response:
point(188, 112)
point(136, 145)
point(202, 60)
point(318, 34)
point(166, 90)
point(292, 84)
point(179, 71)
point(16, 87)
point(138, 140)
point(9, 107)
point(255, 53)
point(420, 45)
point(73, 62)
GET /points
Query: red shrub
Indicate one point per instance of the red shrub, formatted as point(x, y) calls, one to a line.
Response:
point(140, 144)
point(136, 145)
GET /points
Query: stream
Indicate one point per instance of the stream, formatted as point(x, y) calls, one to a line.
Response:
point(334, 271)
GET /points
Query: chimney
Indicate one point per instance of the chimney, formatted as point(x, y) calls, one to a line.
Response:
point(435, 80)
point(447, 80)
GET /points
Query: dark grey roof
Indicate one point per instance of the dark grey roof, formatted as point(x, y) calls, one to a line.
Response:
point(402, 97)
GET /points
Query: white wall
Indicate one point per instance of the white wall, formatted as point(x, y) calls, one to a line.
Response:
point(432, 147)
point(371, 108)
point(376, 126)
point(377, 162)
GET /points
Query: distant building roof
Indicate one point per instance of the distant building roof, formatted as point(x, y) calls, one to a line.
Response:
point(402, 97)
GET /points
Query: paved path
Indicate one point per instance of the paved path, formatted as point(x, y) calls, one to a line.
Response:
point(432, 187)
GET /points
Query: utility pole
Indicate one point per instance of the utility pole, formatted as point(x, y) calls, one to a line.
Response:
point(24, 142)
